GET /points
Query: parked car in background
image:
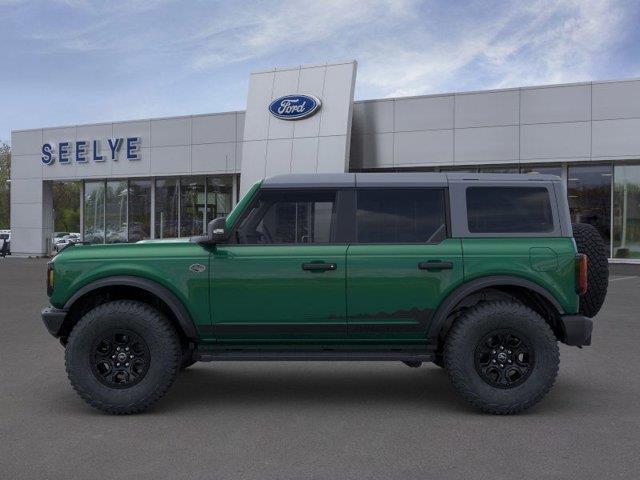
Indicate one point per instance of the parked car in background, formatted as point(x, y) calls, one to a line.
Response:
point(57, 236)
point(5, 242)
point(67, 239)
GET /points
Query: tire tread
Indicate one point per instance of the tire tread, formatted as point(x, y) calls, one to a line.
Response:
point(164, 329)
point(458, 336)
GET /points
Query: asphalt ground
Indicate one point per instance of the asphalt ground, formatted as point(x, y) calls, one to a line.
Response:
point(319, 420)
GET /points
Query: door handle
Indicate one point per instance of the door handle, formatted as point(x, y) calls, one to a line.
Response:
point(319, 267)
point(435, 265)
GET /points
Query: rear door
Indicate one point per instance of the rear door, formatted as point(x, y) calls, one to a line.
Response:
point(402, 263)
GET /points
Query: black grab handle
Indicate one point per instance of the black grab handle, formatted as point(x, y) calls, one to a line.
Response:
point(319, 267)
point(435, 265)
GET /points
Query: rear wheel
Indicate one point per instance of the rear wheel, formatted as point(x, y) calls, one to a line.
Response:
point(590, 243)
point(122, 356)
point(502, 357)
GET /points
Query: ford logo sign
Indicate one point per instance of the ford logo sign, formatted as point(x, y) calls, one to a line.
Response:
point(294, 107)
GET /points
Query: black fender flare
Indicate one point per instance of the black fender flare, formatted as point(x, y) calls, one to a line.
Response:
point(440, 317)
point(174, 303)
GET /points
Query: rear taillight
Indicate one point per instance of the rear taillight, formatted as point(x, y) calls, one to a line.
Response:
point(50, 278)
point(581, 273)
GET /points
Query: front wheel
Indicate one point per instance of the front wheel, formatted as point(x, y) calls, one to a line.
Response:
point(122, 356)
point(502, 357)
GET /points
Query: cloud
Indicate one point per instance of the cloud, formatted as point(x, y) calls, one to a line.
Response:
point(278, 27)
point(404, 47)
point(410, 48)
point(547, 42)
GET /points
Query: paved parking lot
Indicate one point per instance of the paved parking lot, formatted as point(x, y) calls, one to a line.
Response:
point(317, 420)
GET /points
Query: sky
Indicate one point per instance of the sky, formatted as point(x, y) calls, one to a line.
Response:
point(75, 61)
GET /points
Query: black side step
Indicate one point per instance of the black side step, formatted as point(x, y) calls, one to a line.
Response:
point(314, 355)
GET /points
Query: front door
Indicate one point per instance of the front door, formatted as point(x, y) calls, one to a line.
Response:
point(282, 276)
point(401, 265)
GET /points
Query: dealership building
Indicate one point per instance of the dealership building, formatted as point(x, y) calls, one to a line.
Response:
point(167, 177)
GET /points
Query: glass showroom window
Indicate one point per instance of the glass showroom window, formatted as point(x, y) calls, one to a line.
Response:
point(192, 206)
point(166, 211)
point(543, 169)
point(626, 211)
point(139, 210)
point(116, 211)
point(499, 169)
point(219, 196)
point(589, 189)
point(93, 228)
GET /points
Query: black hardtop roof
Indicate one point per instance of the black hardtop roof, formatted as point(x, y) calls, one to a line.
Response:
point(387, 179)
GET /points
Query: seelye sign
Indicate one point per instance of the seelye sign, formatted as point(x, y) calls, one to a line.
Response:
point(82, 151)
point(294, 107)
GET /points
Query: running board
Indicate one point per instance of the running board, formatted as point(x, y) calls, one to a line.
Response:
point(314, 355)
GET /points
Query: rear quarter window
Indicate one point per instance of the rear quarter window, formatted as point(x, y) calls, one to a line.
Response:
point(509, 210)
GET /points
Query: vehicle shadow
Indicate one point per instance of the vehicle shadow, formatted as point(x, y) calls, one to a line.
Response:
point(311, 384)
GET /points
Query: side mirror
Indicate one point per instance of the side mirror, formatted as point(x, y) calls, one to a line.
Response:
point(216, 232)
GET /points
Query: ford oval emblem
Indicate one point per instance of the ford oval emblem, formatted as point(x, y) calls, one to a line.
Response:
point(294, 107)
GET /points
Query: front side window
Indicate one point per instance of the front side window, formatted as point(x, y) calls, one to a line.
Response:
point(509, 210)
point(289, 217)
point(400, 215)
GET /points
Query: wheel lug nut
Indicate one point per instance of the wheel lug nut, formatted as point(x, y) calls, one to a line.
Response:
point(130, 356)
point(117, 364)
point(118, 349)
point(113, 356)
point(509, 351)
point(501, 348)
point(493, 351)
point(501, 366)
point(509, 361)
point(127, 349)
point(126, 364)
point(494, 360)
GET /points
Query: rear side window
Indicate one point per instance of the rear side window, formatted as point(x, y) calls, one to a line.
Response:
point(509, 210)
point(401, 215)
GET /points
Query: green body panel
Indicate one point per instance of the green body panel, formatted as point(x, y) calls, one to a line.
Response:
point(166, 263)
point(548, 262)
point(264, 293)
point(388, 297)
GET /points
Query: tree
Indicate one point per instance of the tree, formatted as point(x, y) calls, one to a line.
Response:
point(5, 175)
point(66, 206)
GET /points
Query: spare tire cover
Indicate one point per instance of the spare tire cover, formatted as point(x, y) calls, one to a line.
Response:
point(589, 242)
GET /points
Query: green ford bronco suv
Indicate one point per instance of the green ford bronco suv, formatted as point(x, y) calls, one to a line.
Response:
point(481, 274)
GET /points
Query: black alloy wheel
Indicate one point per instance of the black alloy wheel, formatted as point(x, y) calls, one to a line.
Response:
point(504, 358)
point(120, 359)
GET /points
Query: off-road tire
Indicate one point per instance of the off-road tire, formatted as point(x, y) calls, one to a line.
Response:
point(164, 356)
point(469, 331)
point(589, 242)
